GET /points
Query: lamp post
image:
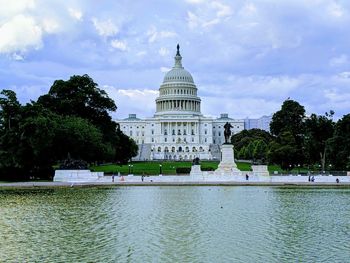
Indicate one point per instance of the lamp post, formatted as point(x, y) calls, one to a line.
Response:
point(160, 170)
point(129, 169)
point(298, 168)
point(132, 169)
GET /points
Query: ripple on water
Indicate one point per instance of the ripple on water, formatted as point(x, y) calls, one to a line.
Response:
point(175, 224)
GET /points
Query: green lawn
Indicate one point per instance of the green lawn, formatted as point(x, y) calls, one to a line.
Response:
point(168, 167)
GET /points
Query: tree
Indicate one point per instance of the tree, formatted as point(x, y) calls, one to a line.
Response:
point(71, 120)
point(318, 130)
point(339, 144)
point(283, 151)
point(9, 109)
point(251, 144)
point(289, 123)
point(80, 96)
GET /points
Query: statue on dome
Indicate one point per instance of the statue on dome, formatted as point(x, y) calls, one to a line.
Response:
point(227, 132)
point(178, 50)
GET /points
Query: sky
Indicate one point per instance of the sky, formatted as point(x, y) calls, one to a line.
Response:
point(246, 57)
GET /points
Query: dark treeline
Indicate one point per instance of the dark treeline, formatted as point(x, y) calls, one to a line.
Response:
point(315, 141)
point(71, 120)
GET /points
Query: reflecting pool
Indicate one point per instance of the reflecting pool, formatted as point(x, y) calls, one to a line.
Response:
point(175, 224)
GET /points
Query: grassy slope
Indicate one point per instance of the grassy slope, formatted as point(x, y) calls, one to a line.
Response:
point(168, 167)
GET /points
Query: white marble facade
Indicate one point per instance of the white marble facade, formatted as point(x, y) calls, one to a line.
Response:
point(178, 130)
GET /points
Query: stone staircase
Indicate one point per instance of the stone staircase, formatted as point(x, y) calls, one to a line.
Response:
point(215, 151)
point(144, 152)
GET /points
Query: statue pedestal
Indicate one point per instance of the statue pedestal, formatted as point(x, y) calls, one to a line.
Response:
point(196, 171)
point(227, 166)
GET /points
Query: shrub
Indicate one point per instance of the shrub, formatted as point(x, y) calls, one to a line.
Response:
point(183, 170)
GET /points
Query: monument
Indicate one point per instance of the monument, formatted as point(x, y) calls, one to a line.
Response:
point(196, 168)
point(227, 165)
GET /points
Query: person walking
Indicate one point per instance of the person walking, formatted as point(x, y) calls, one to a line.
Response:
point(246, 177)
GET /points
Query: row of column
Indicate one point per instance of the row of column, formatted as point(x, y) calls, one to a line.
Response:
point(187, 126)
point(187, 105)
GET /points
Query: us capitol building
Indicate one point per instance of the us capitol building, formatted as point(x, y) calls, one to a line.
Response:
point(178, 130)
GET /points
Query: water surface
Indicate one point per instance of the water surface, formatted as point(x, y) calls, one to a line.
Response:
point(175, 224)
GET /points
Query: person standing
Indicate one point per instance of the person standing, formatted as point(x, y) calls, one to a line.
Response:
point(246, 177)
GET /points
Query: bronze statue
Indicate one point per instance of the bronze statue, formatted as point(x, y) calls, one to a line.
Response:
point(195, 161)
point(227, 132)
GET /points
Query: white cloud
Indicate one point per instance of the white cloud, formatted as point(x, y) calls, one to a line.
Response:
point(119, 44)
point(336, 10)
point(76, 14)
point(133, 101)
point(19, 34)
point(164, 69)
point(209, 14)
point(194, 1)
point(11, 8)
point(50, 25)
point(141, 53)
point(105, 28)
point(339, 61)
point(163, 51)
point(17, 57)
point(153, 34)
point(222, 10)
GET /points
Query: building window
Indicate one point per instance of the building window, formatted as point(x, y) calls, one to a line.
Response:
point(143, 133)
point(192, 139)
point(165, 132)
point(130, 133)
point(184, 132)
point(152, 132)
point(173, 139)
point(165, 139)
point(192, 132)
point(178, 132)
point(213, 133)
point(205, 140)
point(137, 133)
point(173, 132)
point(152, 139)
point(219, 133)
point(205, 132)
point(214, 141)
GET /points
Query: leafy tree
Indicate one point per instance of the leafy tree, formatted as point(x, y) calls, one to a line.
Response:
point(318, 130)
point(80, 96)
point(72, 119)
point(251, 144)
point(339, 144)
point(289, 118)
point(289, 123)
point(283, 151)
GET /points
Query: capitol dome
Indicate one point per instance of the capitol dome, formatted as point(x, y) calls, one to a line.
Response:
point(178, 93)
point(178, 73)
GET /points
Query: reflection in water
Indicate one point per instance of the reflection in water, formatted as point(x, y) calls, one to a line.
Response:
point(175, 224)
